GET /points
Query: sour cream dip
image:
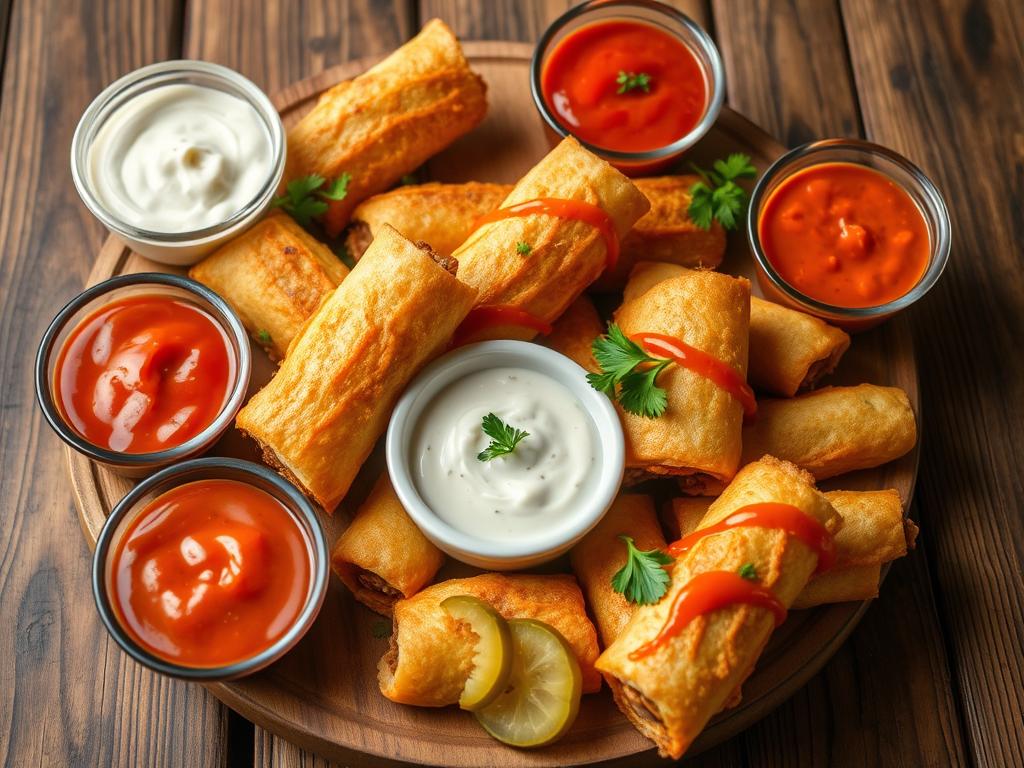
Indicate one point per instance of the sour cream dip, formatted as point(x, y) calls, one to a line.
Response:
point(180, 158)
point(519, 495)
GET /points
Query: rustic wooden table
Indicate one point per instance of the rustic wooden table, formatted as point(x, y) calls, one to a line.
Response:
point(934, 675)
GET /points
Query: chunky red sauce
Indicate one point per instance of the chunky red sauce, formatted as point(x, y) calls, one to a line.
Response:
point(211, 573)
point(701, 363)
point(707, 592)
point(144, 374)
point(845, 235)
point(581, 83)
point(486, 316)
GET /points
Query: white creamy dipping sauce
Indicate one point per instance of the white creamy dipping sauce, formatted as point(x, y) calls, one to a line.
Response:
point(526, 493)
point(180, 158)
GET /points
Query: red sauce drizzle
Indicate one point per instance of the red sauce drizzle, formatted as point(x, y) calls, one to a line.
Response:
point(575, 210)
point(491, 315)
point(707, 592)
point(702, 364)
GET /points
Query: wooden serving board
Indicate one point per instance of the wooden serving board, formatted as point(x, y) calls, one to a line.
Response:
point(323, 695)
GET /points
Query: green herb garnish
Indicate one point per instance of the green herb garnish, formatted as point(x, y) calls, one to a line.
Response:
point(304, 198)
point(263, 336)
point(643, 579)
point(380, 629)
point(630, 81)
point(718, 196)
point(504, 438)
point(748, 571)
point(523, 249)
point(625, 365)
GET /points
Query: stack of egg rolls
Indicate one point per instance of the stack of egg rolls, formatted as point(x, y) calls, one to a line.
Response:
point(274, 275)
point(431, 653)
point(671, 694)
point(389, 120)
point(319, 417)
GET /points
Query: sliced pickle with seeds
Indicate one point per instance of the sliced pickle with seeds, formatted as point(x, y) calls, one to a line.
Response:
point(492, 657)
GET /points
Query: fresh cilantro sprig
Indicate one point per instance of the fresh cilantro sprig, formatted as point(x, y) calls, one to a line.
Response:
point(306, 198)
point(523, 248)
point(643, 579)
point(747, 571)
point(631, 81)
point(504, 438)
point(263, 336)
point(628, 374)
point(717, 195)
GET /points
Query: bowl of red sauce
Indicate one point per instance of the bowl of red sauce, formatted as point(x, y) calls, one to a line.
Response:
point(847, 230)
point(143, 370)
point(635, 81)
point(210, 569)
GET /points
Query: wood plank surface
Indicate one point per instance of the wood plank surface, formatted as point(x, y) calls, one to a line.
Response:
point(68, 696)
point(940, 82)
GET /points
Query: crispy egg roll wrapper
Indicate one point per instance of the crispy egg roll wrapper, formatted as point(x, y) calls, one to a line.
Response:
point(670, 694)
point(697, 438)
point(834, 430)
point(274, 275)
point(382, 556)
point(431, 654)
point(597, 557)
point(873, 534)
point(388, 120)
point(789, 350)
point(565, 255)
point(574, 332)
point(319, 417)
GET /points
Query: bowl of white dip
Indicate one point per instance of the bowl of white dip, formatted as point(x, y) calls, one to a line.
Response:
point(504, 455)
point(178, 157)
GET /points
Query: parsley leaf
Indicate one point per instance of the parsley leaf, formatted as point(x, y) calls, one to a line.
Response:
point(338, 189)
point(504, 438)
point(620, 358)
point(748, 571)
point(381, 629)
point(263, 336)
point(523, 249)
point(304, 197)
point(643, 579)
point(717, 195)
point(631, 81)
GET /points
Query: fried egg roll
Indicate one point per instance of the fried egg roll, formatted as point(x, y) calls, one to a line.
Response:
point(382, 556)
point(670, 694)
point(574, 332)
point(600, 554)
point(388, 120)
point(431, 653)
point(319, 417)
point(834, 430)
point(274, 275)
point(540, 263)
point(789, 350)
point(697, 438)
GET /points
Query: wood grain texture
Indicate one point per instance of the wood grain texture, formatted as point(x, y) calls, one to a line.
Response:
point(68, 696)
point(940, 83)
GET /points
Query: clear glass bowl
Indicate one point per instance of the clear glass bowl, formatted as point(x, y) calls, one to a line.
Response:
point(91, 299)
point(136, 501)
point(665, 18)
point(921, 190)
point(177, 248)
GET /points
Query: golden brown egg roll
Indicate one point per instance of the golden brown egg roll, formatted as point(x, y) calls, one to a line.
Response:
point(389, 120)
point(670, 694)
point(564, 255)
point(697, 439)
point(574, 332)
point(789, 350)
point(834, 430)
point(274, 275)
point(431, 653)
point(382, 556)
point(319, 417)
point(601, 553)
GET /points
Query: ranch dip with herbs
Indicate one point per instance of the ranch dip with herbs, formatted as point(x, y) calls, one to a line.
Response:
point(478, 471)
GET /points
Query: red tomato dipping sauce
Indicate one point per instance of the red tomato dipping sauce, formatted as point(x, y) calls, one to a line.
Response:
point(625, 86)
point(144, 374)
point(210, 573)
point(845, 234)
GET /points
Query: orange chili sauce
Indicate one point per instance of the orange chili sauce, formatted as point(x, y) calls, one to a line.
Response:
point(144, 373)
point(702, 364)
point(845, 235)
point(579, 83)
point(487, 316)
point(211, 573)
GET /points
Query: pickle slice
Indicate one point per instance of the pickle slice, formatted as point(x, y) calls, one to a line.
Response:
point(492, 659)
point(542, 697)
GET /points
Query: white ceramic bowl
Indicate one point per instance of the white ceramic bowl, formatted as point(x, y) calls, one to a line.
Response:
point(593, 501)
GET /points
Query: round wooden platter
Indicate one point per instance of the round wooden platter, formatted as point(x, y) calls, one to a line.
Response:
point(323, 695)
